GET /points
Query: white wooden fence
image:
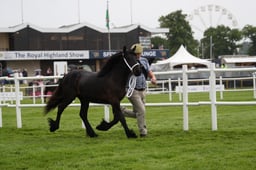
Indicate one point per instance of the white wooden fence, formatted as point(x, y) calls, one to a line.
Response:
point(182, 93)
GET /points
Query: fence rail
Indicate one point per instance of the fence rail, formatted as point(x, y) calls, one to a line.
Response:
point(165, 86)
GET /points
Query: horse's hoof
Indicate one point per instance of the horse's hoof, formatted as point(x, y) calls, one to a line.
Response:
point(92, 135)
point(131, 134)
point(52, 125)
point(104, 126)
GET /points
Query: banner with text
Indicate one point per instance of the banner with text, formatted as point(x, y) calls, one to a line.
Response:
point(44, 55)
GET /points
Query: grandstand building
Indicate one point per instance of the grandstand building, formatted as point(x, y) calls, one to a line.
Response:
point(31, 47)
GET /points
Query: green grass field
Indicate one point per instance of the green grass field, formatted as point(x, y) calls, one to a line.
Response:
point(167, 146)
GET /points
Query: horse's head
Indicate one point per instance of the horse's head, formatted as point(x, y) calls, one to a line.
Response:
point(131, 62)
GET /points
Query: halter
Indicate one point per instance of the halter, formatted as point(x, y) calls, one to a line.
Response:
point(132, 81)
point(131, 68)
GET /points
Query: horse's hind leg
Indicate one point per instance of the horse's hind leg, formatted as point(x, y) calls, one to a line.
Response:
point(54, 125)
point(83, 114)
point(118, 116)
point(104, 126)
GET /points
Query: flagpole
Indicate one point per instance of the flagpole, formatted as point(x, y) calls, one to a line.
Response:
point(107, 24)
point(22, 19)
point(131, 10)
point(109, 41)
point(78, 10)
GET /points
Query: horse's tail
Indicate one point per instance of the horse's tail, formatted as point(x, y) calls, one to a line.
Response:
point(54, 99)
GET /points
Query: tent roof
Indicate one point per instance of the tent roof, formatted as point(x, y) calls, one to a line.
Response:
point(182, 56)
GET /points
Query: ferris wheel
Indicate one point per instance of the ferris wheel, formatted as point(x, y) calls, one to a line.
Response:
point(208, 16)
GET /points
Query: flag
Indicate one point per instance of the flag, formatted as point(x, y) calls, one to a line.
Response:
point(107, 17)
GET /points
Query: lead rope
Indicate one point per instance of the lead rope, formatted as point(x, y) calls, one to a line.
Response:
point(131, 86)
point(132, 81)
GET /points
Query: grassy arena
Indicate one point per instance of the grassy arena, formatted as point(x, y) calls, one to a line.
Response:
point(167, 146)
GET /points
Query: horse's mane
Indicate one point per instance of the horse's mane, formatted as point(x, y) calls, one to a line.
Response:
point(114, 59)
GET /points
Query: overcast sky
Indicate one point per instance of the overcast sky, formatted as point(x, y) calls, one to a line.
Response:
point(55, 13)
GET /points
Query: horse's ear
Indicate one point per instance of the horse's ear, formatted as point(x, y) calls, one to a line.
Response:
point(133, 48)
point(124, 49)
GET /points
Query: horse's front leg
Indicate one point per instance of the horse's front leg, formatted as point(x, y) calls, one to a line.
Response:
point(83, 114)
point(129, 132)
point(118, 116)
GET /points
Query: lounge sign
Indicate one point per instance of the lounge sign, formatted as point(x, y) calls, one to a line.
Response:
point(146, 53)
point(44, 55)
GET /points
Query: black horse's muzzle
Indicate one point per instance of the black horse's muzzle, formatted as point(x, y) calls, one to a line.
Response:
point(135, 69)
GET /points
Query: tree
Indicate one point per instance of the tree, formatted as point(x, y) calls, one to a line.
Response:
point(224, 41)
point(249, 31)
point(158, 42)
point(180, 32)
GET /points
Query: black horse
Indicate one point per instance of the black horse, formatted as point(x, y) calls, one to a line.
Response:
point(106, 86)
point(50, 86)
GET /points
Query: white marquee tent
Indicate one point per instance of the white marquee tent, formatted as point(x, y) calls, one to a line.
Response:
point(181, 57)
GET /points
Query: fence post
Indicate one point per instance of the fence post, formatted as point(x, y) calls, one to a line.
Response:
point(254, 85)
point(18, 110)
point(179, 88)
point(170, 89)
point(185, 96)
point(213, 96)
point(34, 93)
point(1, 121)
point(106, 113)
point(1, 115)
point(42, 92)
point(221, 90)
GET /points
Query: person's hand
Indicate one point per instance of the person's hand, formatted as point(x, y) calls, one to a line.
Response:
point(153, 80)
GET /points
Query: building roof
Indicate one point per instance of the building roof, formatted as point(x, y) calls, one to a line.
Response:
point(73, 27)
point(247, 59)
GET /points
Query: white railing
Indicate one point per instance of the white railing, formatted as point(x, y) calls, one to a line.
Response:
point(165, 86)
point(182, 83)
